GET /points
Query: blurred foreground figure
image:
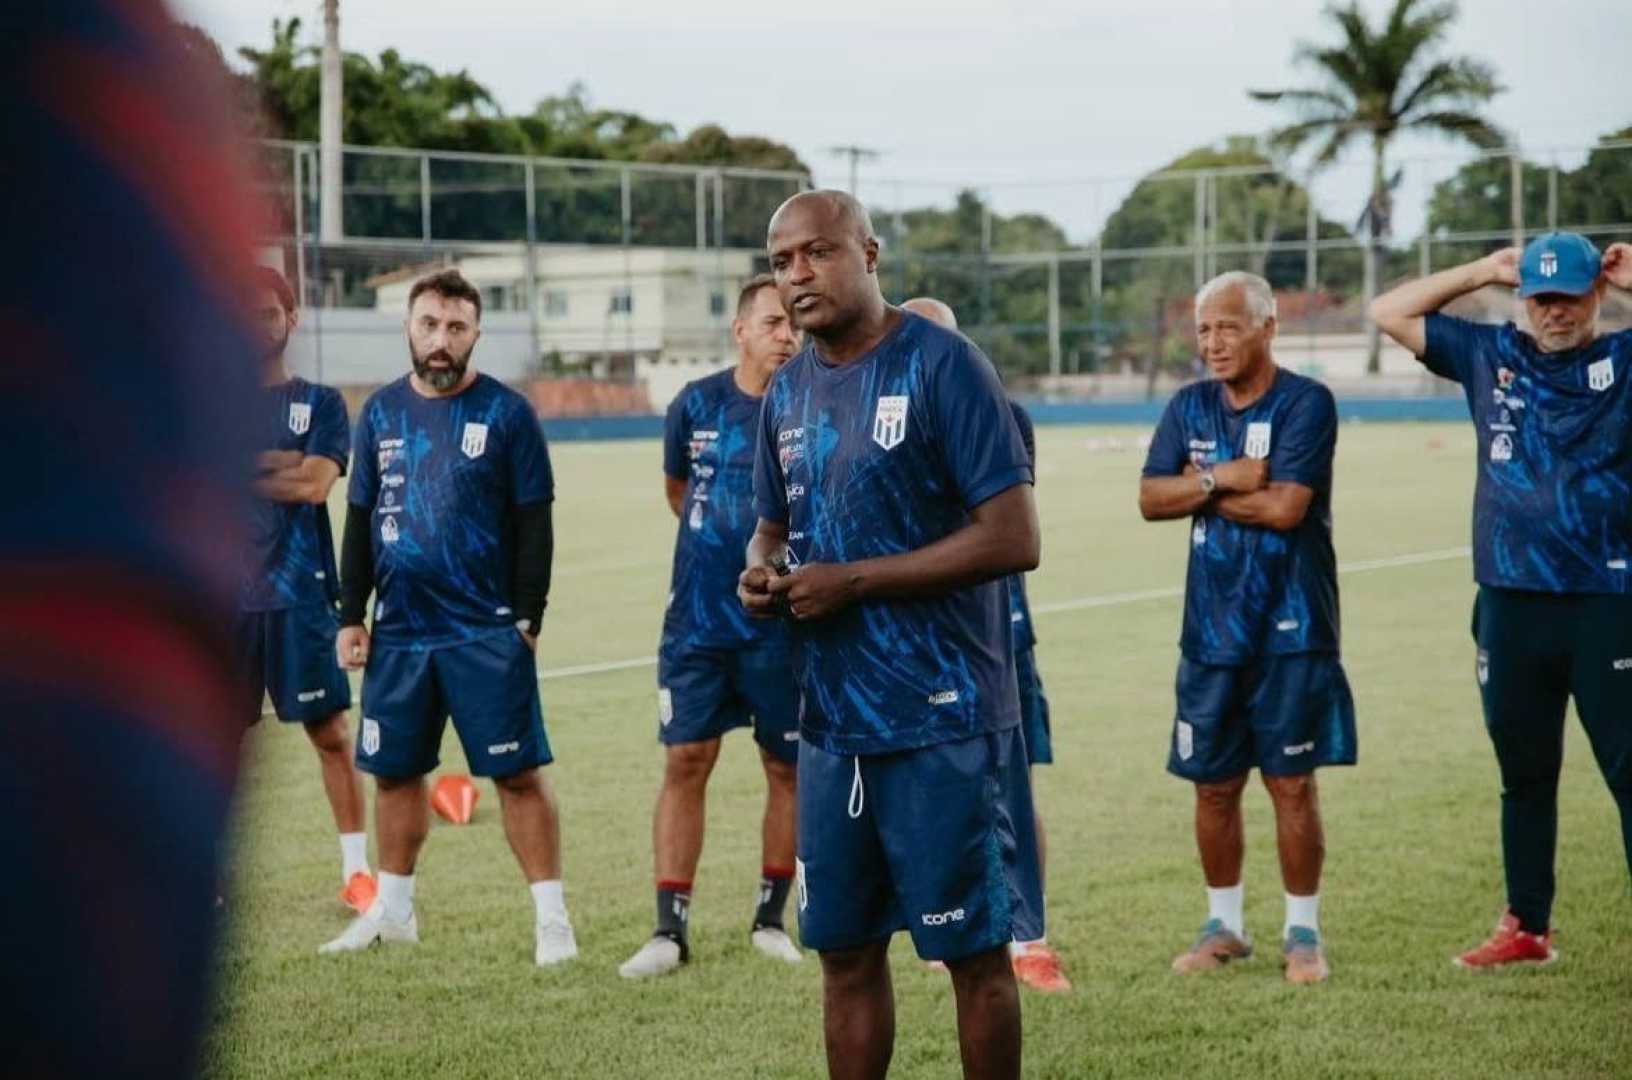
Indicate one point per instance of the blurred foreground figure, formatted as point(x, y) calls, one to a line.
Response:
point(127, 369)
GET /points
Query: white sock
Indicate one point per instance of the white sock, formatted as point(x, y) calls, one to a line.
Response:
point(1018, 948)
point(397, 896)
point(1302, 911)
point(1225, 906)
point(547, 899)
point(353, 855)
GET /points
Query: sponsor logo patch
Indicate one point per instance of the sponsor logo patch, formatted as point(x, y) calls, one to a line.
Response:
point(944, 697)
point(310, 695)
point(941, 918)
point(1299, 748)
point(1501, 447)
point(504, 748)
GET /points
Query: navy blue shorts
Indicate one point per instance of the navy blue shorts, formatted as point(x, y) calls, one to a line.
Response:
point(289, 655)
point(490, 688)
point(704, 692)
point(1033, 710)
point(1288, 715)
point(939, 842)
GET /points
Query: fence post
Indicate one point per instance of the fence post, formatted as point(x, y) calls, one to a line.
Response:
point(530, 278)
point(1054, 315)
point(1552, 196)
point(1516, 165)
point(700, 214)
point(1198, 229)
point(425, 199)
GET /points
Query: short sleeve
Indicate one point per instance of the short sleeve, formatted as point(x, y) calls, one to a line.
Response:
point(331, 430)
point(1303, 449)
point(979, 439)
point(365, 474)
point(531, 479)
point(1167, 455)
point(1452, 345)
point(770, 490)
point(1028, 434)
point(675, 440)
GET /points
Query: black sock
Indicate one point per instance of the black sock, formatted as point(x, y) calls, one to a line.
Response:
point(773, 897)
point(674, 911)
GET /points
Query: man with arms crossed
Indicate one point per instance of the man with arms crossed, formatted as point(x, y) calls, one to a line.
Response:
point(891, 476)
point(284, 633)
point(1035, 964)
point(448, 524)
point(1552, 536)
point(1247, 456)
point(717, 668)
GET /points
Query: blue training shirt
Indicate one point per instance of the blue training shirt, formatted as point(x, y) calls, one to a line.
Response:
point(440, 477)
point(1552, 507)
point(710, 435)
point(291, 545)
point(881, 456)
point(1251, 591)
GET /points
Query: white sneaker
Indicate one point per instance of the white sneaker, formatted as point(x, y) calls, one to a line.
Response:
point(372, 926)
point(774, 942)
point(553, 941)
point(659, 956)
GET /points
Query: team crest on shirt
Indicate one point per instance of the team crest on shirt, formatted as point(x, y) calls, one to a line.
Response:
point(1257, 439)
point(890, 421)
point(300, 417)
point(1601, 375)
point(474, 443)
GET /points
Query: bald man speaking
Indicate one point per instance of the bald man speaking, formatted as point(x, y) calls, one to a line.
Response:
point(894, 496)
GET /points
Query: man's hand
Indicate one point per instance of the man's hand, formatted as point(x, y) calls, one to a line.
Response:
point(1242, 475)
point(276, 460)
point(351, 647)
point(816, 590)
point(753, 589)
point(1502, 267)
point(1617, 266)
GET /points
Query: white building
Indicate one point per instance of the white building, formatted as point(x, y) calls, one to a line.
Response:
point(657, 316)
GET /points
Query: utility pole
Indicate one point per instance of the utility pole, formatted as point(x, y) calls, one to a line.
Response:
point(856, 154)
point(332, 225)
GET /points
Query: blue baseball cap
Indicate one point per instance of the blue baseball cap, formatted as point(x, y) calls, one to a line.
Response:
point(1559, 262)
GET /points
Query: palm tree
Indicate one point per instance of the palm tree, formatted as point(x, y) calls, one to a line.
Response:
point(1376, 84)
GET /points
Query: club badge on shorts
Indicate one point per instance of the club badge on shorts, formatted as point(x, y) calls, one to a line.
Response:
point(300, 417)
point(474, 443)
point(1257, 440)
point(890, 421)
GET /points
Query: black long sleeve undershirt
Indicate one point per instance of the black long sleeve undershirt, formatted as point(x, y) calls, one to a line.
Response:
point(535, 555)
point(530, 576)
point(356, 565)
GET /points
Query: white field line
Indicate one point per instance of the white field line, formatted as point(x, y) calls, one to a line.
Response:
point(1079, 604)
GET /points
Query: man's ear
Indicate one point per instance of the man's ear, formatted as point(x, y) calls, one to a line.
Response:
point(869, 249)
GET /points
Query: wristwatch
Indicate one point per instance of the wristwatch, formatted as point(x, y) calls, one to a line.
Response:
point(1209, 482)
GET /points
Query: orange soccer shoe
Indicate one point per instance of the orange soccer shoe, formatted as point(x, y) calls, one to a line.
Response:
point(1038, 967)
point(359, 891)
point(1509, 945)
point(454, 799)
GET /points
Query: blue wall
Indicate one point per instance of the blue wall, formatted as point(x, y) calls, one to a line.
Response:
point(559, 429)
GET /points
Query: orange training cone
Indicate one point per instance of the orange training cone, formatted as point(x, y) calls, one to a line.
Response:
point(454, 799)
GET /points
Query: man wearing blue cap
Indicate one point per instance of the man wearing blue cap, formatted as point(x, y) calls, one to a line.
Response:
point(1552, 538)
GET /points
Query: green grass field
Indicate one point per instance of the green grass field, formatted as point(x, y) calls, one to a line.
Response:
point(1413, 868)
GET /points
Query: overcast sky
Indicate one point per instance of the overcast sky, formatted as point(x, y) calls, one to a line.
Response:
point(1031, 103)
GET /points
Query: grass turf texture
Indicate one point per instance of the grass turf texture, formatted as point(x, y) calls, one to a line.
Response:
point(1413, 869)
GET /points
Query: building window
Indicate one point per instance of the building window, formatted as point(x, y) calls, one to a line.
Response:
point(716, 304)
point(555, 303)
point(623, 302)
point(494, 297)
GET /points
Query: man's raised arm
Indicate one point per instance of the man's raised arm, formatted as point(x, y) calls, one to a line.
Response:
point(1402, 313)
